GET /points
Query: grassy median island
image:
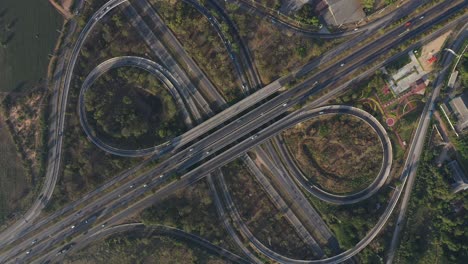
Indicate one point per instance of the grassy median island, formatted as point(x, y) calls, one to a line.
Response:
point(130, 108)
point(340, 153)
point(143, 247)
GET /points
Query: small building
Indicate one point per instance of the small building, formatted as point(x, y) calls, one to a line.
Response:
point(459, 108)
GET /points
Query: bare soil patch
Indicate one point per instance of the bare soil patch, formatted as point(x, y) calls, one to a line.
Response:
point(432, 49)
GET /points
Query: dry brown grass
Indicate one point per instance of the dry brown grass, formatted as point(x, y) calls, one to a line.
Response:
point(14, 183)
point(277, 51)
point(339, 153)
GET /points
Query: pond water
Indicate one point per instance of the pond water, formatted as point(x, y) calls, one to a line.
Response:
point(28, 32)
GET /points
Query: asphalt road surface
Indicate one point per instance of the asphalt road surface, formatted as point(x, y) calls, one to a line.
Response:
point(236, 147)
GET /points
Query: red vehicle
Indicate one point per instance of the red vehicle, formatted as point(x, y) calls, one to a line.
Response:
point(408, 24)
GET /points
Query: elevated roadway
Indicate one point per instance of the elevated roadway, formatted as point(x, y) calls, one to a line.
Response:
point(295, 90)
point(62, 231)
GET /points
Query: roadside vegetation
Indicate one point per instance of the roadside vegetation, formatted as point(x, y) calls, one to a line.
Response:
point(340, 153)
point(142, 247)
point(395, 65)
point(463, 69)
point(114, 36)
point(276, 52)
point(84, 166)
point(350, 223)
point(27, 116)
point(23, 129)
point(131, 108)
point(202, 43)
point(193, 211)
point(436, 228)
point(370, 6)
point(371, 95)
point(265, 222)
point(26, 41)
point(15, 183)
point(307, 15)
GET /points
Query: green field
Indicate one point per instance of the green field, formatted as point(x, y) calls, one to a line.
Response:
point(28, 32)
point(14, 184)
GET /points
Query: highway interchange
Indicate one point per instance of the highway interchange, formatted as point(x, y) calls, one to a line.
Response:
point(209, 145)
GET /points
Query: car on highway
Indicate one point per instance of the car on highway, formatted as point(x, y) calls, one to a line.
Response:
point(408, 24)
point(421, 17)
point(34, 241)
point(131, 186)
point(285, 104)
point(342, 64)
point(145, 185)
point(73, 226)
point(104, 225)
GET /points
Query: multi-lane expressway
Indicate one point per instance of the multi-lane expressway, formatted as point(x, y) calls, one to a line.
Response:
point(271, 105)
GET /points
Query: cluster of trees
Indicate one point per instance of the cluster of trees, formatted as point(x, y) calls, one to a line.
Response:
point(190, 210)
point(129, 103)
point(436, 228)
point(307, 15)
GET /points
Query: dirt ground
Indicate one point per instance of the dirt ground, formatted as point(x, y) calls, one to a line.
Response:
point(430, 49)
